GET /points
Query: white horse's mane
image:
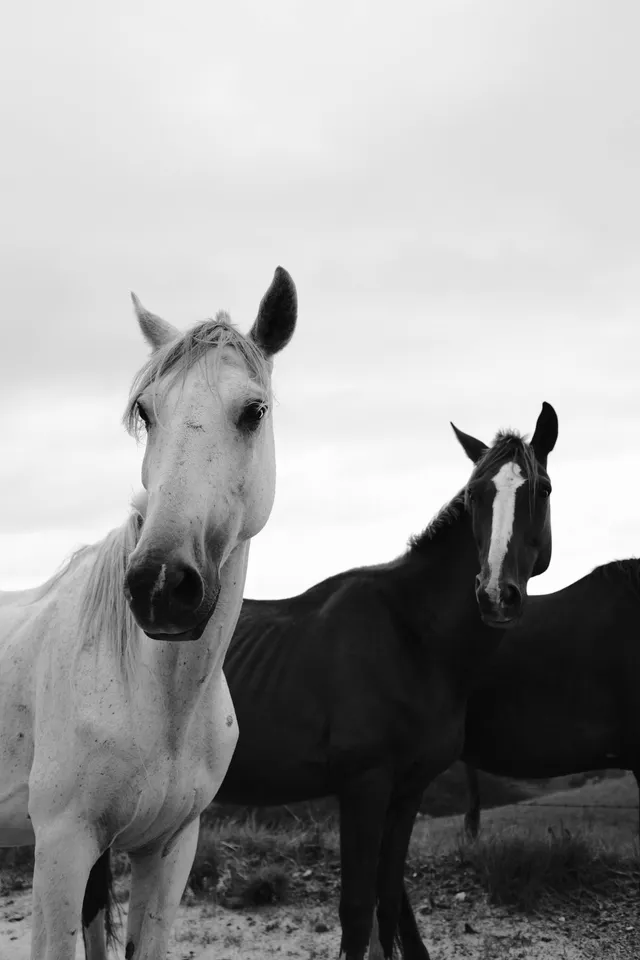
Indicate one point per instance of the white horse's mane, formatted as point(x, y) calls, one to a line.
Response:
point(104, 611)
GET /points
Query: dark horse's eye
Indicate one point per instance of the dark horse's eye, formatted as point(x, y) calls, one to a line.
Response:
point(142, 413)
point(252, 414)
point(544, 493)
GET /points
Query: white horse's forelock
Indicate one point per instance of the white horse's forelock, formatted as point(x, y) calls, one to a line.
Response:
point(177, 357)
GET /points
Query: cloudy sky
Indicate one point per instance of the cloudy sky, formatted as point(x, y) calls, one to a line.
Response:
point(453, 186)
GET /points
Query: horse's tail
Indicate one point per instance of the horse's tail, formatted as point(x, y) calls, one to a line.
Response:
point(407, 939)
point(472, 816)
point(99, 899)
point(398, 945)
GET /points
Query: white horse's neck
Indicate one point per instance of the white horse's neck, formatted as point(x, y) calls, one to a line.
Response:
point(181, 673)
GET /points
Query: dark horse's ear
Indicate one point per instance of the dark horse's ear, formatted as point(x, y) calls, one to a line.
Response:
point(277, 314)
point(546, 433)
point(474, 449)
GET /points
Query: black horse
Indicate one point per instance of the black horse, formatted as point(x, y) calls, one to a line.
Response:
point(561, 694)
point(357, 688)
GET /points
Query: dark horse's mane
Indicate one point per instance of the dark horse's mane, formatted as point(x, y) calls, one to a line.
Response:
point(628, 569)
point(507, 443)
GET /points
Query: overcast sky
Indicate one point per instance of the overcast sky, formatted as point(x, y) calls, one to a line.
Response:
point(454, 187)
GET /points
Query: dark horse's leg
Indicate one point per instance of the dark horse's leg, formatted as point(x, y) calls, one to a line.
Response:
point(472, 816)
point(408, 934)
point(363, 807)
point(390, 885)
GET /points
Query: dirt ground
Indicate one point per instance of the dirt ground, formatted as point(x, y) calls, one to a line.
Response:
point(457, 928)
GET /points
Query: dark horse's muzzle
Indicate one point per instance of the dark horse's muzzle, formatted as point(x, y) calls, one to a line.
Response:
point(170, 598)
point(501, 606)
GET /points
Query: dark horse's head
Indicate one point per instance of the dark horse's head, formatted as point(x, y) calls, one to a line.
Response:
point(508, 499)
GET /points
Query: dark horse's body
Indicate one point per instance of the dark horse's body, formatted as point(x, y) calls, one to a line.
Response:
point(561, 695)
point(339, 680)
point(357, 688)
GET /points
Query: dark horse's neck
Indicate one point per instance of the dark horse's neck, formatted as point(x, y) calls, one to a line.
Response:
point(437, 578)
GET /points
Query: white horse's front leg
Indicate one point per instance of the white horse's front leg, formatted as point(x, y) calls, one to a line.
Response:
point(157, 885)
point(65, 852)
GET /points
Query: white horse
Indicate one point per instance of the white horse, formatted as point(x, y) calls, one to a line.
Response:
point(109, 734)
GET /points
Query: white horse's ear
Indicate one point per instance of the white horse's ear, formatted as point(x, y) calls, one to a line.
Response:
point(277, 314)
point(156, 331)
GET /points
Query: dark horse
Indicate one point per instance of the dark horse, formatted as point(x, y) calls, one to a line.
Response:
point(358, 687)
point(561, 694)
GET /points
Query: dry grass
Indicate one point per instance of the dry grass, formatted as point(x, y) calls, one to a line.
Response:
point(250, 864)
point(527, 854)
point(16, 868)
point(525, 871)
point(530, 855)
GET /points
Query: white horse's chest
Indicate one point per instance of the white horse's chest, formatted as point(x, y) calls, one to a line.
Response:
point(145, 770)
point(176, 786)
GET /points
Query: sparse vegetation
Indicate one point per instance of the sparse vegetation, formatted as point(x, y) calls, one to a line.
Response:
point(525, 857)
point(245, 863)
point(525, 871)
point(16, 868)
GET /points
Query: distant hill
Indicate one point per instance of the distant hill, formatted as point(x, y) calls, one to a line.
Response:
point(605, 808)
point(447, 795)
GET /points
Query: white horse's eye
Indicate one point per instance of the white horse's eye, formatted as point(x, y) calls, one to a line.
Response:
point(142, 413)
point(252, 414)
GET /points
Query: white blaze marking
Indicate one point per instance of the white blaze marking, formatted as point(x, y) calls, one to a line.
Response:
point(507, 480)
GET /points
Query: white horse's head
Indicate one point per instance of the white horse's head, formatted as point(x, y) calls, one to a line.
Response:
point(204, 398)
